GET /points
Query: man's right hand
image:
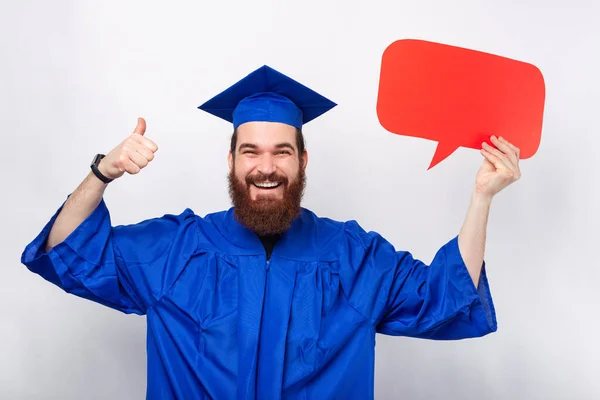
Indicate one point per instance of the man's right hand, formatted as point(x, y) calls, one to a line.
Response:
point(133, 154)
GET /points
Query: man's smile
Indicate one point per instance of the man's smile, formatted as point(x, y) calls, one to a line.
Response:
point(267, 185)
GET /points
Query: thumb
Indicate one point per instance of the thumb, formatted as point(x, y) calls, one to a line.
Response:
point(140, 127)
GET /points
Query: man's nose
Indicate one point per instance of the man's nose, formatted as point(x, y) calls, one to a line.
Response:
point(266, 165)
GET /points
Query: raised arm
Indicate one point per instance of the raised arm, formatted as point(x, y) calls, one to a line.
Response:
point(133, 154)
point(126, 267)
point(500, 168)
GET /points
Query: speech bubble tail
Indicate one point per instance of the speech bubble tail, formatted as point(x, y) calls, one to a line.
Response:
point(442, 151)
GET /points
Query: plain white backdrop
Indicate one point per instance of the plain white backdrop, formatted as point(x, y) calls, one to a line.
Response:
point(75, 75)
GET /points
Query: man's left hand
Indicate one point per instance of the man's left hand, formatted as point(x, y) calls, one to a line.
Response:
point(500, 167)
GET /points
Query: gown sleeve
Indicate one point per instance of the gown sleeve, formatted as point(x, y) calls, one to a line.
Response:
point(402, 296)
point(127, 268)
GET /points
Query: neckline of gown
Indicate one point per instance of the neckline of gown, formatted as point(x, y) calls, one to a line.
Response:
point(246, 242)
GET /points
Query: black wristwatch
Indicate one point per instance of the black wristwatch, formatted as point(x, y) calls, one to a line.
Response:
point(96, 171)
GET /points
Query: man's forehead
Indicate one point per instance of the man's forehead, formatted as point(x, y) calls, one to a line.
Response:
point(265, 133)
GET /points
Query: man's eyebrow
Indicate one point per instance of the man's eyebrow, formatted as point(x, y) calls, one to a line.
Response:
point(247, 146)
point(285, 145)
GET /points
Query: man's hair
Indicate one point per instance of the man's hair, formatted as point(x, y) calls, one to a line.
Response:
point(299, 142)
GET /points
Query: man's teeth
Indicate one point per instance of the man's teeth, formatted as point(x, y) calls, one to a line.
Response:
point(267, 184)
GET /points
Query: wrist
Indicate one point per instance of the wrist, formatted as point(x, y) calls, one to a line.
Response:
point(98, 169)
point(481, 199)
point(102, 169)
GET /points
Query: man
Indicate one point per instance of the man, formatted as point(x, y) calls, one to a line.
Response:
point(266, 300)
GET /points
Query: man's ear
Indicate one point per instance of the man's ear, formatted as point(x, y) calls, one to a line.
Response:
point(230, 161)
point(304, 159)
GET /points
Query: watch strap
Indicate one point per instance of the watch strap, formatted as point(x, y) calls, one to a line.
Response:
point(96, 171)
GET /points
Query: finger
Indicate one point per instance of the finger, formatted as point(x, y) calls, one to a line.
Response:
point(501, 157)
point(513, 154)
point(135, 144)
point(493, 159)
point(512, 146)
point(128, 166)
point(506, 149)
point(145, 152)
point(140, 128)
point(145, 142)
point(137, 158)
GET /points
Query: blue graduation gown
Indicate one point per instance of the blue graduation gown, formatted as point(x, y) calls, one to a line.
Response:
point(223, 322)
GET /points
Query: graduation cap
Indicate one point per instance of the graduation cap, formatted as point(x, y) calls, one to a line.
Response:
point(268, 95)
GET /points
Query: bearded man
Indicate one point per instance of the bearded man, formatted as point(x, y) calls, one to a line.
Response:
point(266, 300)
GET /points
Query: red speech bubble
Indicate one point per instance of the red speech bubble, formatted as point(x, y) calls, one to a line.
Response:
point(459, 97)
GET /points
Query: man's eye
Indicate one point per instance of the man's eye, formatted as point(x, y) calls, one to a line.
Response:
point(283, 152)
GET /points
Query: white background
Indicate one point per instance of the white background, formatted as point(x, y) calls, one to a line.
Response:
point(75, 75)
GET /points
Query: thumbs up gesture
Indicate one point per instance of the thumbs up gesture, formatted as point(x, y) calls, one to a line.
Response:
point(133, 154)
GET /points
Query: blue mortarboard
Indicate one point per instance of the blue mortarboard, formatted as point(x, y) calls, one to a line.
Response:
point(268, 95)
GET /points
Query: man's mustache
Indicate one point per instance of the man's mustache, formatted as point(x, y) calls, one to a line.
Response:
point(261, 178)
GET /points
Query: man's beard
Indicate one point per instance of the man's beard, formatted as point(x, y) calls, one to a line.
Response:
point(267, 215)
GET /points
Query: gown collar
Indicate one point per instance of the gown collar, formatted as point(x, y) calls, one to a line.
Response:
point(296, 243)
